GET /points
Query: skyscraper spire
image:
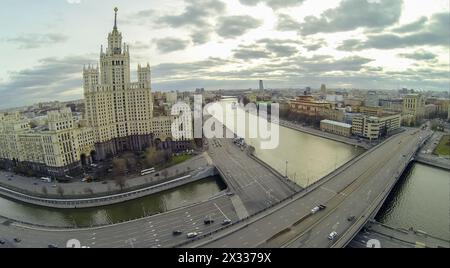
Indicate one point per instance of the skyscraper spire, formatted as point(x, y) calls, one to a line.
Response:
point(115, 18)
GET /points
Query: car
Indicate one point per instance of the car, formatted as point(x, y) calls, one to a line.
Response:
point(192, 235)
point(315, 210)
point(226, 222)
point(2, 242)
point(54, 186)
point(230, 194)
point(17, 240)
point(52, 246)
point(177, 232)
point(322, 207)
point(332, 235)
point(351, 218)
point(208, 220)
point(105, 182)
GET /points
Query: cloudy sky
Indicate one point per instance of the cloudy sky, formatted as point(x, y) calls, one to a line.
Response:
point(372, 44)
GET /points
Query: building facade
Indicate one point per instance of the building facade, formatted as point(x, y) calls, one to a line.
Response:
point(337, 128)
point(118, 117)
point(374, 127)
point(308, 106)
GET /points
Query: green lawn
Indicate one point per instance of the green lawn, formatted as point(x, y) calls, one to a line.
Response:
point(443, 147)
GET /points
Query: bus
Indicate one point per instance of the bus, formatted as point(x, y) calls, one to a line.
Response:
point(147, 171)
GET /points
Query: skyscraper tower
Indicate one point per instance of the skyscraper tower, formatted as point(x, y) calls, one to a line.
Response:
point(323, 89)
point(261, 85)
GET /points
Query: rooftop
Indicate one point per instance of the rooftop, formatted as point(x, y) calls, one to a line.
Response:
point(340, 124)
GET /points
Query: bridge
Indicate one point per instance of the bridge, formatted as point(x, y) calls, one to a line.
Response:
point(377, 235)
point(353, 194)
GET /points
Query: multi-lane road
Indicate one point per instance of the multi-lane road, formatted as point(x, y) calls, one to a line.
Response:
point(353, 192)
point(153, 231)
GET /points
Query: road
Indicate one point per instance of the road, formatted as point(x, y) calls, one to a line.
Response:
point(349, 193)
point(153, 231)
point(256, 186)
point(378, 235)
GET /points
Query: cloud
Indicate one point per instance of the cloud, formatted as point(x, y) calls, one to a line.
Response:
point(287, 23)
point(434, 33)
point(411, 27)
point(170, 44)
point(250, 52)
point(275, 4)
point(234, 26)
point(280, 47)
point(49, 80)
point(32, 41)
point(200, 37)
point(420, 55)
point(196, 14)
point(353, 14)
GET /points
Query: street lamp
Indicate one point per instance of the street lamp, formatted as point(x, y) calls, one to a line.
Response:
point(287, 162)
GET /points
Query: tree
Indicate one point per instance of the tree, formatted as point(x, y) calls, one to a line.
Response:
point(89, 191)
point(165, 173)
point(60, 191)
point(119, 168)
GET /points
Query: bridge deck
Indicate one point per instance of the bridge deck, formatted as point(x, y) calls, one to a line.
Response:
point(376, 234)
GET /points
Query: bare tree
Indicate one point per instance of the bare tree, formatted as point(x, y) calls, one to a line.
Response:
point(44, 190)
point(60, 191)
point(89, 191)
point(165, 173)
point(119, 168)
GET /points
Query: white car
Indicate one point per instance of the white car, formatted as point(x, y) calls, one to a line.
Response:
point(315, 210)
point(192, 235)
point(333, 235)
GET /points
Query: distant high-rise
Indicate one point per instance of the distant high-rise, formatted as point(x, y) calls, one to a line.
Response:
point(323, 89)
point(261, 85)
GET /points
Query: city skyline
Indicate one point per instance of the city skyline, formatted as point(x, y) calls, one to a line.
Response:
point(225, 45)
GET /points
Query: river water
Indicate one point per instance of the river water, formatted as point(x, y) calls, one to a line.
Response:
point(157, 203)
point(421, 199)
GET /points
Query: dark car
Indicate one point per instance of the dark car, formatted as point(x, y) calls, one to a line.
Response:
point(208, 220)
point(52, 246)
point(351, 218)
point(17, 240)
point(322, 207)
point(177, 232)
point(2, 242)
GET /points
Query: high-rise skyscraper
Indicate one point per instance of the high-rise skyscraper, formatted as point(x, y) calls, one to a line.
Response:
point(261, 85)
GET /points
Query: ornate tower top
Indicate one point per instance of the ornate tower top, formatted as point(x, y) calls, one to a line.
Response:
point(115, 18)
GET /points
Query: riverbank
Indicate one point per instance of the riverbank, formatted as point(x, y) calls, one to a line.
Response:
point(315, 132)
point(29, 190)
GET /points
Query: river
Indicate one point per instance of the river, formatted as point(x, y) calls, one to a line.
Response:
point(157, 203)
point(421, 199)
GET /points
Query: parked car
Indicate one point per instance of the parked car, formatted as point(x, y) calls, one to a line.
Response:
point(17, 240)
point(351, 218)
point(2, 242)
point(52, 246)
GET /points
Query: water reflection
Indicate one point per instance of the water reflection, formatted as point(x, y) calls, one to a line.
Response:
point(158, 203)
